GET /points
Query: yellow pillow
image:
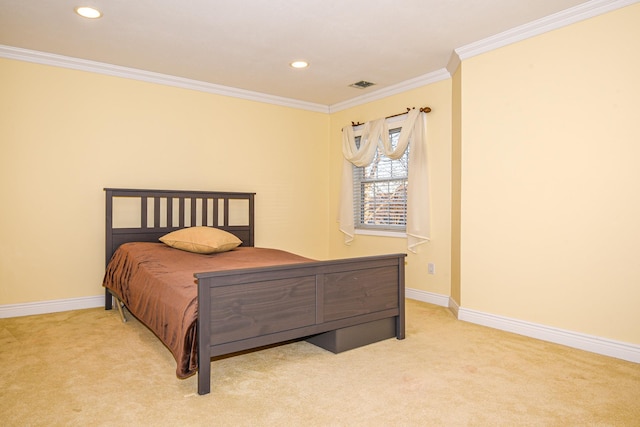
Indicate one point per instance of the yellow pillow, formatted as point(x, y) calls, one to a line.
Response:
point(201, 240)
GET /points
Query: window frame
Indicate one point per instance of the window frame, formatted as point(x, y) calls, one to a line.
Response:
point(393, 123)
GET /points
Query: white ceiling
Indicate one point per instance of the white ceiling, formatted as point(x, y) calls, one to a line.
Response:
point(249, 44)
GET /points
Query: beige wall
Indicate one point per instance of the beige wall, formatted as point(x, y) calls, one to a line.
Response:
point(65, 135)
point(550, 190)
point(437, 251)
point(532, 147)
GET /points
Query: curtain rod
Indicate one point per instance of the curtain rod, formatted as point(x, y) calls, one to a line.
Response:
point(422, 110)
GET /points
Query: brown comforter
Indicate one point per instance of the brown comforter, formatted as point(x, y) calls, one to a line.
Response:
point(156, 284)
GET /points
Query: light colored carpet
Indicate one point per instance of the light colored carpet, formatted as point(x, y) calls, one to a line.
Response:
point(87, 368)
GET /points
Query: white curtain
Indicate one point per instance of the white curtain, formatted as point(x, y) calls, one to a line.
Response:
point(376, 134)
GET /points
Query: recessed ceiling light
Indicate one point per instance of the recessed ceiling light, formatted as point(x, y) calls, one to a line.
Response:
point(88, 12)
point(299, 64)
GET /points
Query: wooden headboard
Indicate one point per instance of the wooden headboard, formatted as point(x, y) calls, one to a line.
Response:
point(162, 211)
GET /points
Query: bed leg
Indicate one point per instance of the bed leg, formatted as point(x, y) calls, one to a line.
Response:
point(204, 377)
point(119, 304)
point(107, 300)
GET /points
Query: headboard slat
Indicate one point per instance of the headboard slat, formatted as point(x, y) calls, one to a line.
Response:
point(143, 212)
point(215, 212)
point(169, 211)
point(156, 212)
point(226, 212)
point(205, 211)
point(192, 221)
point(181, 212)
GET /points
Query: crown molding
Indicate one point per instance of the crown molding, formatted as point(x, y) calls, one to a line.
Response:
point(548, 23)
point(454, 63)
point(561, 19)
point(55, 60)
point(425, 79)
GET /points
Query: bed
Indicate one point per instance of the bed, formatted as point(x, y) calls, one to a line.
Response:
point(209, 305)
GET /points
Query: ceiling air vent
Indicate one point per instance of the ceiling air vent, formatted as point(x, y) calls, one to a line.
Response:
point(361, 84)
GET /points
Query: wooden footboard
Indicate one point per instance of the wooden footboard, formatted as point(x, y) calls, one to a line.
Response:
point(245, 309)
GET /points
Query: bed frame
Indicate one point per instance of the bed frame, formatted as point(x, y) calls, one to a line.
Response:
point(338, 304)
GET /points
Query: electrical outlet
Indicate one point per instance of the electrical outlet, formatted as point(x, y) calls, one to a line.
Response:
point(431, 268)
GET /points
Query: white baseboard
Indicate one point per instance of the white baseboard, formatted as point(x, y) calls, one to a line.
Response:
point(604, 346)
point(598, 345)
point(454, 308)
point(54, 306)
point(424, 296)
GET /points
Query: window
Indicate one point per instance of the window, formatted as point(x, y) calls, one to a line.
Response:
point(380, 190)
point(381, 201)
